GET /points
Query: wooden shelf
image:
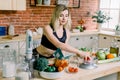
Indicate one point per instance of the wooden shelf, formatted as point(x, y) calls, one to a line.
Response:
point(34, 3)
point(45, 5)
point(49, 5)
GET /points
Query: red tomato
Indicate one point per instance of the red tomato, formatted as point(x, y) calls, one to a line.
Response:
point(75, 69)
point(72, 69)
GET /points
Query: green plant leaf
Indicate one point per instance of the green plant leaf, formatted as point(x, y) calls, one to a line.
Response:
point(100, 17)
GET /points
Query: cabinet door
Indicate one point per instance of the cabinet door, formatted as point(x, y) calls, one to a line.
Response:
point(105, 41)
point(19, 4)
point(75, 41)
point(91, 41)
point(12, 4)
point(83, 41)
point(5, 4)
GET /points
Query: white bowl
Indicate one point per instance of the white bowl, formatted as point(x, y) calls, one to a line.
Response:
point(51, 75)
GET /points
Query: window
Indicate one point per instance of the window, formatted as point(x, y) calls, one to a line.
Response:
point(112, 8)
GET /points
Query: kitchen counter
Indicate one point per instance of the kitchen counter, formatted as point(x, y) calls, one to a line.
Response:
point(95, 32)
point(20, 37)
point(83, 74)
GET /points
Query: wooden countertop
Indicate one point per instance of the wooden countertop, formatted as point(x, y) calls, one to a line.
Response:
point(109, 33)
point(21, 37)
point(84, 74)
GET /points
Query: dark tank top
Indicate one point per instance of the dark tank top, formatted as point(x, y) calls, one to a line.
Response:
point(45, 42)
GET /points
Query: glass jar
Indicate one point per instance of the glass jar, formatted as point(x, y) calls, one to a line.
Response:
point(9, 63)
point(22, 71)
point(114, 48)
point(74, 61)
point(11, 30)
point(1, 59)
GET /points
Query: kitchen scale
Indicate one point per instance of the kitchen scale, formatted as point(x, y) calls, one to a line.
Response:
point(88, 65)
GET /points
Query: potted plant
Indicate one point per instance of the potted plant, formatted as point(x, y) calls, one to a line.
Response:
point(39, 2)
point(100, 17)
point(47, 2)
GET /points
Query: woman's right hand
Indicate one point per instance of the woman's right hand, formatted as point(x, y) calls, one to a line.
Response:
point(85, 56)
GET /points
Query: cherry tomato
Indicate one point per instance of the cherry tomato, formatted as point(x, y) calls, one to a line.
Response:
point(60, 69)
point(71, 69)
point(75, 69)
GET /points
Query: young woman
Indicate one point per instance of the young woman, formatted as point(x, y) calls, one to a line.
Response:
point(56, 35)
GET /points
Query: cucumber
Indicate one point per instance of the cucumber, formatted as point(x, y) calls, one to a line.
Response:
point(109, 60)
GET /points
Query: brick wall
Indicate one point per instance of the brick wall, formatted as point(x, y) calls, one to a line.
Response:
point(35, 17)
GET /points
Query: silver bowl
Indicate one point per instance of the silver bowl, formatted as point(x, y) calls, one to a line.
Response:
point(88, 66)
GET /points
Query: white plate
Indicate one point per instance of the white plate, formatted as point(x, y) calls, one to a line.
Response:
point(51, 75)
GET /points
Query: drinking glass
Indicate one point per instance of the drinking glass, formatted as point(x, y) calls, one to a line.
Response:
point(74, 61)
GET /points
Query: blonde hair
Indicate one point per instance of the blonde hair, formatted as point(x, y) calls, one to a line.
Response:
point(55, 17)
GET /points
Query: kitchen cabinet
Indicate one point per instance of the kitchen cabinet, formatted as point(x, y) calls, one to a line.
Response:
point(84, 41)
point(10, 45)
point(105, 41)
point(18, 43)
point(12, 4)
point(18, 46)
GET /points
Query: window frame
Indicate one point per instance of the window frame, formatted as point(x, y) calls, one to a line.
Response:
point(110, 10)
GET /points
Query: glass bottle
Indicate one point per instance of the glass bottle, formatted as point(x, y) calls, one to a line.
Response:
point(94, 50)
point(95, 44)
point(114, 48)
point(22, 71)
point(11, 30)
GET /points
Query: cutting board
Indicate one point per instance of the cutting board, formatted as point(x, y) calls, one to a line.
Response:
point(109, 60)
point(10, 36)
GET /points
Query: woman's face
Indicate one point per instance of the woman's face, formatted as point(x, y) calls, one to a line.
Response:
point(63, 18)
